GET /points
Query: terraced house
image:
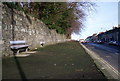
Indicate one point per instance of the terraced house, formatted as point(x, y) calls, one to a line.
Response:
point(110, 35)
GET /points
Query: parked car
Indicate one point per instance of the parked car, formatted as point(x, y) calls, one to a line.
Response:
point(95, 41)
point(111, 42)
point(114, 42)
point(81, 41)
point(100, 42)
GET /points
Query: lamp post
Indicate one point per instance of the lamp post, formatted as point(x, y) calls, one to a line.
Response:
point(117, 35)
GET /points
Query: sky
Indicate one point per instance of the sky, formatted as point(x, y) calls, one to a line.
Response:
point(103, 18)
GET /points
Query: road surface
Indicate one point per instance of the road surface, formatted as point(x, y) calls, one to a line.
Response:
point(108, 52)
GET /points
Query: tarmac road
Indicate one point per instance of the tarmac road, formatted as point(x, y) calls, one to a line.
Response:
point(108, 52)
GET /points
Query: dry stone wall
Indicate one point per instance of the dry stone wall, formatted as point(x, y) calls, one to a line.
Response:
point(17, 25)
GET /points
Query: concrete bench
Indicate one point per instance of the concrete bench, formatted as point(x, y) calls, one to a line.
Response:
point(19, 45)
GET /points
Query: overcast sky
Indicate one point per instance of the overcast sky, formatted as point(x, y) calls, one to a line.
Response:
point(104, 18)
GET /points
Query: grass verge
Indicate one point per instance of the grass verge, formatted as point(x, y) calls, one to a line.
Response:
point(60, 61)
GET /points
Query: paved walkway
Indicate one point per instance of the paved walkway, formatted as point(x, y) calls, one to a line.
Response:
point(61, 61)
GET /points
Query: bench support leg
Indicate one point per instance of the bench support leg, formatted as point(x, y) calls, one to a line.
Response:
point(18, 52)
point(26, 49)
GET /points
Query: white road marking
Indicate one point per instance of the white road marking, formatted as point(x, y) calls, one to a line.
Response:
point(108, 56)
point(117, 53)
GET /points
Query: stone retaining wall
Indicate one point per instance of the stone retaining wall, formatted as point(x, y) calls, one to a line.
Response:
point(25, 28)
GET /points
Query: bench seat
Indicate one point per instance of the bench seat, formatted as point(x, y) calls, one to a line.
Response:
point(18, 45)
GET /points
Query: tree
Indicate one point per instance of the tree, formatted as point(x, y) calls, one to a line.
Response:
point(64, 17)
